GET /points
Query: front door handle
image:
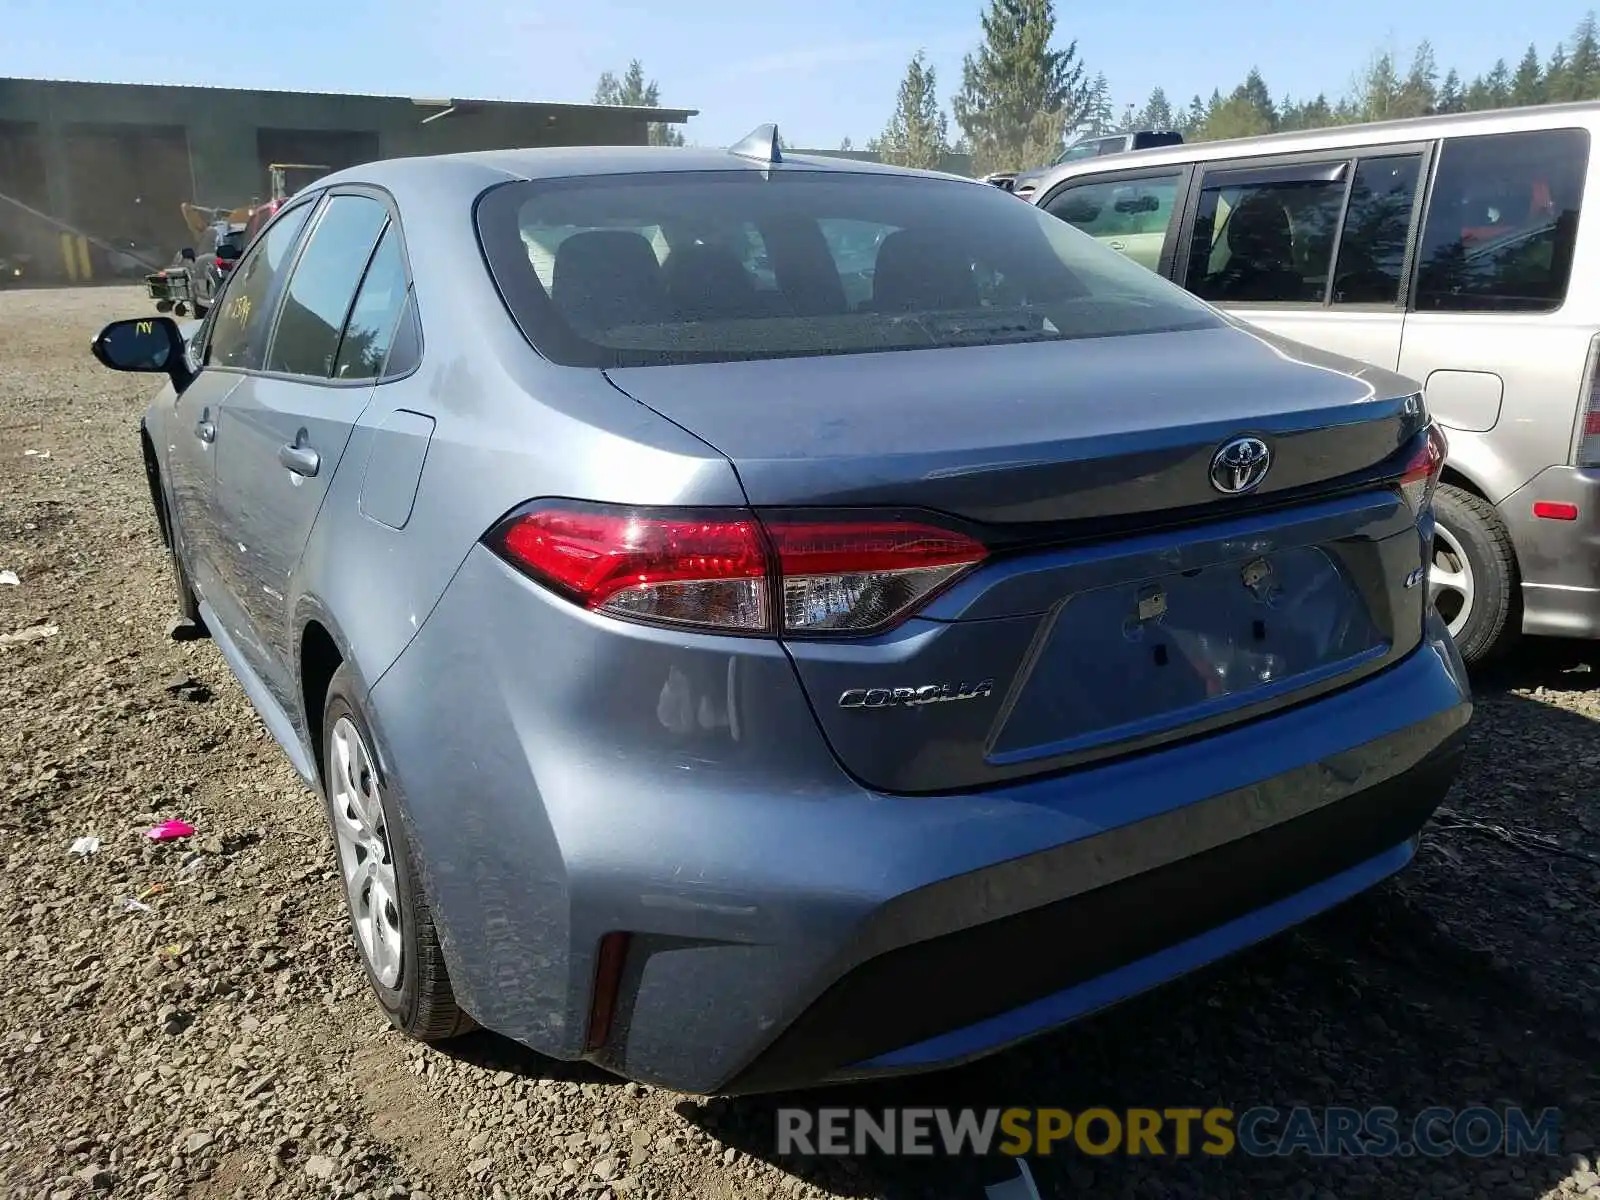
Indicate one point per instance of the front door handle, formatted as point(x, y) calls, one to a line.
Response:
point(205, 431)
point(302, 460)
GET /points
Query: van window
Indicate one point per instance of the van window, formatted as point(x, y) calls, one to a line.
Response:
point(1130, 216)
point(1268, 241)
point(1503, 222)
point(1372, 250)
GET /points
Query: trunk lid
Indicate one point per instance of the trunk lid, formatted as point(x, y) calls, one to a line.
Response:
point(1037, 433)
point(1129, 602)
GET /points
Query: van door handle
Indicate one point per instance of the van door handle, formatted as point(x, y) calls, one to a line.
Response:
point(1117, 244)
point(302, 460)
point(205, 431)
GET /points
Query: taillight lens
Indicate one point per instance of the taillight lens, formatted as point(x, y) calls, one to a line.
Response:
point(1421, 475)
point(1589, 432)
point(848, 577)
point(727, 570)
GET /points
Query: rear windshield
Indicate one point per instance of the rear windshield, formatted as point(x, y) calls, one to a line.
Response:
point(630, 270)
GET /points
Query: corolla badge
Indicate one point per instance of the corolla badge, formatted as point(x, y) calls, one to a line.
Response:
point(1239, 465)
point(912, 697)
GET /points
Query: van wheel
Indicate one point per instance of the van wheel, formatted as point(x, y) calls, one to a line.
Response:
point(1472, 580)
point(394, 932)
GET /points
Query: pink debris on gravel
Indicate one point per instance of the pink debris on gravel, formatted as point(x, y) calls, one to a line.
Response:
point(169, 831)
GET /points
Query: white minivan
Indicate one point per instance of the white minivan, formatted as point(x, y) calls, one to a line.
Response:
point(1448, 248)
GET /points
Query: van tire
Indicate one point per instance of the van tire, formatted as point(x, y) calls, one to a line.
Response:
point(1469, 527)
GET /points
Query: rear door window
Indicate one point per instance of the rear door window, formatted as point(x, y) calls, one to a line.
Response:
point(323, 286)
point(1266, 237)
point(1130, 216)
point(1377, 228)
point(1502, 222)
point(368, 334)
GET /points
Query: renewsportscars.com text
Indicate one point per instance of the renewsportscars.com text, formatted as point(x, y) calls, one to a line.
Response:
point(1258, 1132)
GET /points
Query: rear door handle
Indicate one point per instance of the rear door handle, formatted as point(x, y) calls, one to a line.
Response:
point(302, 460)
point(205, 431)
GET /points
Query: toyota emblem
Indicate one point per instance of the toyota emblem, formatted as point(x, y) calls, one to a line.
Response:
point(1240, 465)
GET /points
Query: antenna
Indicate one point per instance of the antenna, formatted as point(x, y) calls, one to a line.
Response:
point(760, 144)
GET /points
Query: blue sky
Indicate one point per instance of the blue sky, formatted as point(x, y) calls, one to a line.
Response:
point(823, 69)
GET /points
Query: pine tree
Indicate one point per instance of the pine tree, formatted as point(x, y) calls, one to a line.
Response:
point(1098, 117)
point(1555, 75)
point(1497, 83)
point(1418, 94)
point(1254, 93)
point(1157, 112)
point(1450, 98)
point(1527, 85)
point(1194, 121)
point(917, 134)
point(1017, 94)
point(631, 91)
point(1377, 90)
point(1581, 79)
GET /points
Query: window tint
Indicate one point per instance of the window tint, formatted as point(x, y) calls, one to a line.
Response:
point(324, 284)
point(376, 314)
point(659, 269)
point(1264, 241)
point(244, 317)
point(1372, 250)
point(1502, 222)
point(1130, 216)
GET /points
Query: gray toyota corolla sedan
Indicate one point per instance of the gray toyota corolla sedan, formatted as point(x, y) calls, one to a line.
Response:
point(743, 666)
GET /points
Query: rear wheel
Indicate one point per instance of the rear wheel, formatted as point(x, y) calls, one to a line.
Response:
point(1472, 580)
point(389, 915)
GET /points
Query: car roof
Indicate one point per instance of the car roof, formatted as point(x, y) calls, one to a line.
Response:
point(1584, 113)
point(560, 162)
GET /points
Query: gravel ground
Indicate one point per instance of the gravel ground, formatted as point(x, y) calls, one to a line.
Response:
point(219, 1041)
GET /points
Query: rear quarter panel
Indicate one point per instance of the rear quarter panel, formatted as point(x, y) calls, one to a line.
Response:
point(506, 427)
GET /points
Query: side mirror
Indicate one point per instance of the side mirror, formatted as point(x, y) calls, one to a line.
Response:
point(149, 345)
point(187, 254)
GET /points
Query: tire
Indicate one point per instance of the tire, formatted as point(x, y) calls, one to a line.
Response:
point(1471, 545)
point(415, 991)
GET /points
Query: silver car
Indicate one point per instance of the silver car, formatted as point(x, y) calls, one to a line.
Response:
point(739, 685)
point(1449, 248)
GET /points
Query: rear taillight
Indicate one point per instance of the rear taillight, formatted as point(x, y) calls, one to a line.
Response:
point(224, 263)
point(1421, 474)
point(1588, 454)
point(727, 570)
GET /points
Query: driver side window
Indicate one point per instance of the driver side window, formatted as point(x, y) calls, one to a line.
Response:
point(242, 319)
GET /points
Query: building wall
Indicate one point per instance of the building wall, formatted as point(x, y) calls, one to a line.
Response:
point(118, 158)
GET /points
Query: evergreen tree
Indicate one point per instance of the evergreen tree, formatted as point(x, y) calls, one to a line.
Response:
point(632, 91)
point(1157, 112)
point(917, 134)
point(1527, 84)
point(1555, 75)
point(1254, 93)
point(1377, 90)
point(1097, 117)
point(1418, 94)
point(1581, 78)
point(1017, 94)
point(1497, 84)
point(1450, 98)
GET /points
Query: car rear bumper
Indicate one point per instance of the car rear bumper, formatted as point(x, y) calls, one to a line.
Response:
point(788, 926)
point(1559, 560)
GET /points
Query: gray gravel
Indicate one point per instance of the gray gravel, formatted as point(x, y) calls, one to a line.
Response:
point(189, 1019)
